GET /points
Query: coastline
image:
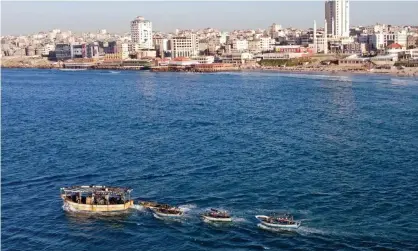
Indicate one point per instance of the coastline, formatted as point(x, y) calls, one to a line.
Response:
point(407, 72)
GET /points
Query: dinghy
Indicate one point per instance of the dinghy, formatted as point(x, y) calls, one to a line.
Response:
point(284, 222)
point(217, 215)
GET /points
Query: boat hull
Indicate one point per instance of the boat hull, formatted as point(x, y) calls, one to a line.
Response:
point(205, 217)
point(98, 208)
point(159, 214)
point(261, 218)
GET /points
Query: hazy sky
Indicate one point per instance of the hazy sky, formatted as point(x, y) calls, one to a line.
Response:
point(29, 17)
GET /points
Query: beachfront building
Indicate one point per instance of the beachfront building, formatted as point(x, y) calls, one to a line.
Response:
point(47, 48)
point(237, 58)
point(141, 32)
point(63, 51)
point(184, 46)
point(204, 59)
point(182, 61)
point(337, 14)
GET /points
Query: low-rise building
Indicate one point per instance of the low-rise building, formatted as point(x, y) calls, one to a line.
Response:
point(47, 48)
point(182, 61)
point(237, 57)
point(204, 59)
point(147, 54)
point(286, 55)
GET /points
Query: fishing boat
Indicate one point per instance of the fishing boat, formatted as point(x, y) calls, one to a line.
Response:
point(284, 221)
point(170, 212)
point(153, 205)
point(96, 198)
point(217, 215)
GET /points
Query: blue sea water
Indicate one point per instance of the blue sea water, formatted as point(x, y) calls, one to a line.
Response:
point(339, 152)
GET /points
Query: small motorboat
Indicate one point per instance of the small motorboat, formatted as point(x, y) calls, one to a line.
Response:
point(217, 215)
point(153, 205)
point(284, 221)
point(167, 212)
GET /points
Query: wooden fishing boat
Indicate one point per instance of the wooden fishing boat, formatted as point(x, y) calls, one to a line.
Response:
point(217, 215)
point(96, 198)
point(153, 205)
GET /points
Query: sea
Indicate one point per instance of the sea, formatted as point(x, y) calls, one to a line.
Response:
point(339, 152)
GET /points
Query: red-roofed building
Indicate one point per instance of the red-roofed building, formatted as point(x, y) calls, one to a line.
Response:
point(394, 46)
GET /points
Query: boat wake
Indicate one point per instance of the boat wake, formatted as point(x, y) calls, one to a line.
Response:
point(307, 231)
point(187, 207)
point(239, 220)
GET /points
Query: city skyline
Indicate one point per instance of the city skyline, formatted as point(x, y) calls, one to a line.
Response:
point(115, 17)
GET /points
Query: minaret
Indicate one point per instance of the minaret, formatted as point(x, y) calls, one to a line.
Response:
point(315, 41)
point(326, 38)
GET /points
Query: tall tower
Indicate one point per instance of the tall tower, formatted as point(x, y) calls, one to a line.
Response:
point(337, 14)
point(315, 41)
point(141, 32)
point(326, 37)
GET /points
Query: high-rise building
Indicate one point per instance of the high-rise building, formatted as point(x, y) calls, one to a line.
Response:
point(337, 14)
point(141, 33)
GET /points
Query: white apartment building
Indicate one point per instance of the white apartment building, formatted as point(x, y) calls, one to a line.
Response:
point(184, 46)
point(381, 40)
point(240, 44)
point(377, 41)
point(266, 43)
point(141, 32)
point(337, 15)
point(396, 37)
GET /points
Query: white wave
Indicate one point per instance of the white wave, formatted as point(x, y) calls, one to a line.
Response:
point(307, 230)
point(138, 207)
point(317, 76)
point(187, 207)
point(239, 219)
point(68, 208)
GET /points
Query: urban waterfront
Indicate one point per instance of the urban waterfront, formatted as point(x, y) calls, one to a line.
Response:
point(337, 151)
